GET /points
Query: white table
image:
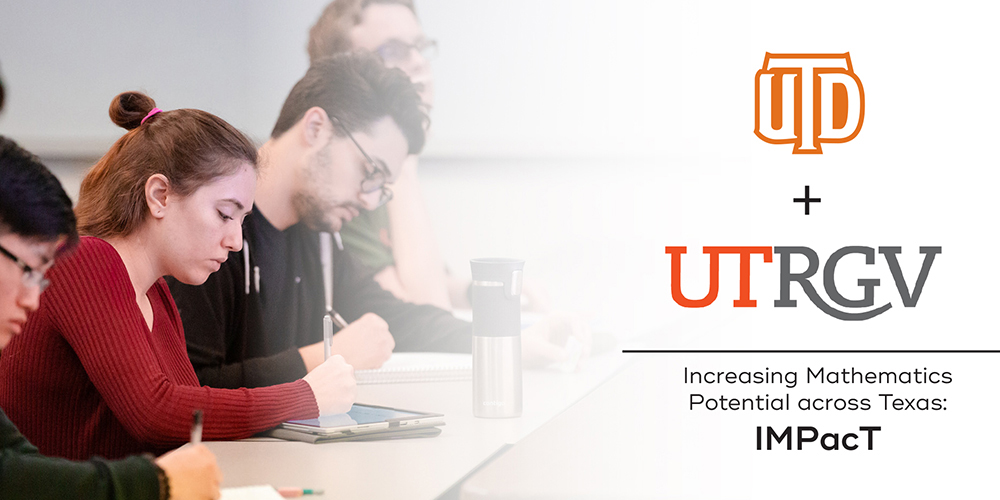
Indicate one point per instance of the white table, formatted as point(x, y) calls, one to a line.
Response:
point(410, 468)
point(611, 444)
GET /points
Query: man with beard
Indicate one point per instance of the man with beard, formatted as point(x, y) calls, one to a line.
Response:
point(342, 135)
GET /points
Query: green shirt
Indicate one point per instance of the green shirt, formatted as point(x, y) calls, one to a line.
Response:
point(366, 237)
point(24, 473)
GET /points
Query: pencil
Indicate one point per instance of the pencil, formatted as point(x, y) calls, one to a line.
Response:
point(297, 492)
point(196, 422)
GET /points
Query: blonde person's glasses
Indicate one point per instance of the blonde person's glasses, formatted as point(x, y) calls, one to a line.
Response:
point(395, 52)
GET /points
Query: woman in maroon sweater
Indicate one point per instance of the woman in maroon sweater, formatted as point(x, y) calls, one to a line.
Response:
point(36, 226)
point(102, 368)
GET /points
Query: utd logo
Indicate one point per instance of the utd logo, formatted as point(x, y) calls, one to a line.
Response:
point(808, 100)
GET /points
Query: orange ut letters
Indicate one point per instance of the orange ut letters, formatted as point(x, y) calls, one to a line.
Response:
point(807, 100)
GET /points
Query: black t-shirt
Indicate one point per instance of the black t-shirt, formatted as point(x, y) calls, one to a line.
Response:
point(281, 262)
point(244, 325)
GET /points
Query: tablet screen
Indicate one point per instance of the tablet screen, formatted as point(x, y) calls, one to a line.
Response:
point(359, 414)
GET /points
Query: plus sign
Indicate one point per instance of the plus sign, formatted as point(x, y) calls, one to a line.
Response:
point(807, 200)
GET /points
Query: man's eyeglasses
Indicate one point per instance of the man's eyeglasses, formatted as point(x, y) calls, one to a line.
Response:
point(396, 52)
point(30, 277)
point(375, 176)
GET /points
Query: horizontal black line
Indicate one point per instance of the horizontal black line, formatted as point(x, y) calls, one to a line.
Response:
point(804, 351)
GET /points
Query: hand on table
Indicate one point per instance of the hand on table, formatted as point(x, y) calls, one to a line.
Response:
point(364, 344)
point(191, 473)
point(545, 342)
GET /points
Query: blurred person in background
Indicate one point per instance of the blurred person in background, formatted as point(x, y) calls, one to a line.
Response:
point(396, 240)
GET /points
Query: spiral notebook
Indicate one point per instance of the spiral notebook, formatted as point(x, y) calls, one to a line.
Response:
point(405, 367)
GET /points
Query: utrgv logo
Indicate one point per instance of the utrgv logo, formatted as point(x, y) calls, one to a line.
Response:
point(807, 100)
point(786, 277)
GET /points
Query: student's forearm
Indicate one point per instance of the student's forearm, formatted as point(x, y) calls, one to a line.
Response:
point(418, 260)
point(160, 416)
point(280, 368)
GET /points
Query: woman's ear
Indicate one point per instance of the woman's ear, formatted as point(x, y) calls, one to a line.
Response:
point(157, 189)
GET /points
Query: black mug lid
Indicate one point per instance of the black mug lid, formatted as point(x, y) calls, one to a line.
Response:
point(495, 269)
point(498, 272)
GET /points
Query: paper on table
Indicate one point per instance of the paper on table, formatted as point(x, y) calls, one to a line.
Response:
point(265, 492)
point(419, 367)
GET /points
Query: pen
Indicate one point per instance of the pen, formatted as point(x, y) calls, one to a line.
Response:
point(297, 492)
point(327, 336)
point(196, 428)
point(329, 320)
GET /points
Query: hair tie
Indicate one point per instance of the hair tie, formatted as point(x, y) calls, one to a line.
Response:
point(150, 115)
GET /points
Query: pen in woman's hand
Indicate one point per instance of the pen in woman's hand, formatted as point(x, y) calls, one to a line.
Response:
point(196, 427)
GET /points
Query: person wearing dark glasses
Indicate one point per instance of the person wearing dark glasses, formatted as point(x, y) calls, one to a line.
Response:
point(338, 145)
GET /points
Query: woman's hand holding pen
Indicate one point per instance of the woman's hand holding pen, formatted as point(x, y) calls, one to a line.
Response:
point(333, 385)
point(191, 473)
point(364, 344)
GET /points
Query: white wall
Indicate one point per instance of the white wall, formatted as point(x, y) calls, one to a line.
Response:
point(525, 89)
point(517, 78)
point(63, 61)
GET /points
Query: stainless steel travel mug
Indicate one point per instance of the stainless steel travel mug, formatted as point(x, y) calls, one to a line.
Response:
point(496, 337)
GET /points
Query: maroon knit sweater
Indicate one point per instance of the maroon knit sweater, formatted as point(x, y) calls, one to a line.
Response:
point(87, 377)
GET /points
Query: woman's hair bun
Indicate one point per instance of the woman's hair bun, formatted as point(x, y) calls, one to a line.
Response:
point(129, 108)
